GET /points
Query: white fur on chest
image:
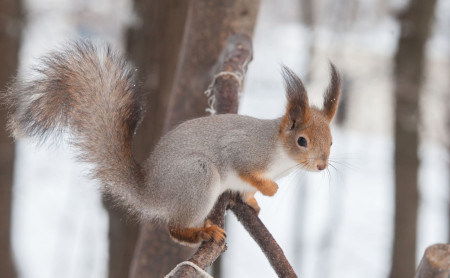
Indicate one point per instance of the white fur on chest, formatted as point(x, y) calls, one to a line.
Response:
point(280, 166)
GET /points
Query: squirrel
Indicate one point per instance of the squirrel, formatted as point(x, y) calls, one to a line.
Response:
point(93, 92)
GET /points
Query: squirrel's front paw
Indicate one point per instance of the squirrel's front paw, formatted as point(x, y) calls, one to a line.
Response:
point(212, 231)
point(265, 185)
point(269, 188)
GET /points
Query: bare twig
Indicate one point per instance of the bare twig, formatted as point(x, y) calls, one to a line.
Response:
point(229, 74)
point(251, 222)
point(224, 89)
point(435, 262)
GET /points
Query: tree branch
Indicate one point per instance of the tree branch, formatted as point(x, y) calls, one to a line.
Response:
point(230, 73)
point(224, 92)
point(251, 222)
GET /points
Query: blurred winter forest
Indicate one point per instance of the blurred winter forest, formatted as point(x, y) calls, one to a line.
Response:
point(372, 213)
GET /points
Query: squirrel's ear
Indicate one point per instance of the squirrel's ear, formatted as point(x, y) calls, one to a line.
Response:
point(331, 98)
point(297, 109)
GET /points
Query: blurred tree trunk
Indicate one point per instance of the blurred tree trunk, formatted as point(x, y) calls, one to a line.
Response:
point(208, 25)
point(447, 142)
point(183, 62)
point(152, 45)
point(415, 24)
point(122, 240)
point(308, 16)
point(10, 33)
point(448, 161)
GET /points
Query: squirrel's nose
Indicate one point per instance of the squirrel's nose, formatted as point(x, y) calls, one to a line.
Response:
point(321, 166)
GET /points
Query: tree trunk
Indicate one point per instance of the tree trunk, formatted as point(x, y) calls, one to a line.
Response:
point(208, 25)
point(153, 46)
point(122, 240)
point(10, 31)
point(448, 164)
point(409, 65)
point(180, 95)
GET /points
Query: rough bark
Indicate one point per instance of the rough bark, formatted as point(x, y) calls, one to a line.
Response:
point(435, 262)
point(207, 24)
point(415, 24)
point(10, 32)
point(229, 73)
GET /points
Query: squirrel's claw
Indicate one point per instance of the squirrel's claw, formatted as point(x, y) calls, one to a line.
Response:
point(212, 231)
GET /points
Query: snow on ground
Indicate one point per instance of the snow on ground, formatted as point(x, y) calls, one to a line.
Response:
point(336, 224)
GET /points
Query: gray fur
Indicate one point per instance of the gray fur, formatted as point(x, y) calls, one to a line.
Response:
point(191, 160)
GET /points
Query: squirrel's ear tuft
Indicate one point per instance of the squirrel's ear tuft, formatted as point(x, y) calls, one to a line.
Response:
point(297, 109)
point(331, 98)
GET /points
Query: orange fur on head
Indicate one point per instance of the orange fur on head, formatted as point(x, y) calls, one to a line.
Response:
point(309, 124)
point(297, 111)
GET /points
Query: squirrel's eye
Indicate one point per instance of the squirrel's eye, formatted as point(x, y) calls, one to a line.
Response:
point(302, 141)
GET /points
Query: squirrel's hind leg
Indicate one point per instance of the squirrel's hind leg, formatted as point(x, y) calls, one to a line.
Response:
point(196, 235)
point(249, 198)
point(200, 177)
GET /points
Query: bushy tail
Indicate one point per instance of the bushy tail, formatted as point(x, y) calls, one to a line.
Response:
point(91, 91)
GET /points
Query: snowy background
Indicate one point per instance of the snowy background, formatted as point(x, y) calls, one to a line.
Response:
point(337, 223)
